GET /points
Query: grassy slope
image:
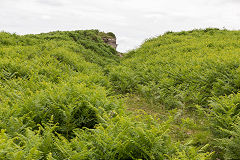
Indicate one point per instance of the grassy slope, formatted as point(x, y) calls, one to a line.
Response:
point(54, 84)
point(57, 102)
point(186, 70)
point(180, 69)
point(54, 74)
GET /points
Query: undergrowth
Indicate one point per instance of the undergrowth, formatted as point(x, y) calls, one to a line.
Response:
point(67, 95)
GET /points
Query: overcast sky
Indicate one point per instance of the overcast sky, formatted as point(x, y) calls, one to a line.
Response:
point(131, 20)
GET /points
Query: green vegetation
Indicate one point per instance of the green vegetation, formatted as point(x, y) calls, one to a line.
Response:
point(68, 95)
point(182, 69)
point(190, 72)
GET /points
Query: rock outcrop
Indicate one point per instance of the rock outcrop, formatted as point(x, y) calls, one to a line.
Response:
point(110, 41)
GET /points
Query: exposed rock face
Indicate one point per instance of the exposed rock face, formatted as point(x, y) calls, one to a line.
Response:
point(110, 41)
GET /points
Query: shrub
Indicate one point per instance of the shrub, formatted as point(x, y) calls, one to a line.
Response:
point(224, 114)
point(183, 69)
point(71, 105)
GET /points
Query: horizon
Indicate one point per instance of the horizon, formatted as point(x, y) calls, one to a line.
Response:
point(131, 21)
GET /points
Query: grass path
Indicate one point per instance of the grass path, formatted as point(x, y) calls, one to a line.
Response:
point(187, 126)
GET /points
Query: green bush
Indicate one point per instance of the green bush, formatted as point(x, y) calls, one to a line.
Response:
point(230, 145)
point(182, 69)
point(136, 137)
point(58, 96)
point(48, 75)
point(225, 112)
point(224, 125)
point(71, 105)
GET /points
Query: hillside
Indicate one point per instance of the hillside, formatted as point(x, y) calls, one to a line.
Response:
point(67, 95)
point(179, 69)
point(195, 72)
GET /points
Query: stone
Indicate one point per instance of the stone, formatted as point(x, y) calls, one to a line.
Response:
point(111, 41)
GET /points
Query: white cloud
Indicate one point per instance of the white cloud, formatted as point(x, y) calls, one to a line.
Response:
point(131, 20)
